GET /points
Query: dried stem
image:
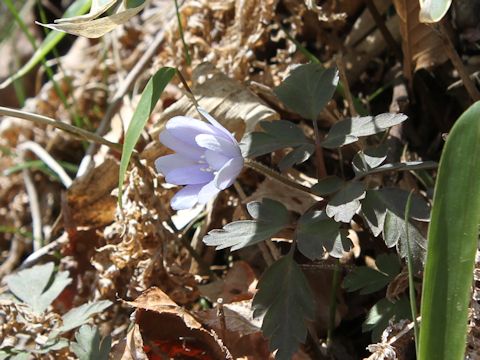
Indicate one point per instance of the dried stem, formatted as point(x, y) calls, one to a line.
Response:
point(346, 86)
point(44, 120)
point(321, 169)
point(457, 62)
point(272, 174)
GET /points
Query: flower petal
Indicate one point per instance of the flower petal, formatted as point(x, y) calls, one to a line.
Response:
point(181, 147)
point(186, 128)
point(218, 144)
point(208, 192)
point(165, 164)
point(228, 173)
point(215, 123)
point(215, 159)
point(186, 198)
point(194, 174)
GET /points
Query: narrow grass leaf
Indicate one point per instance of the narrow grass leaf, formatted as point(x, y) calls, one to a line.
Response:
point(452, 243)
point(150, 96)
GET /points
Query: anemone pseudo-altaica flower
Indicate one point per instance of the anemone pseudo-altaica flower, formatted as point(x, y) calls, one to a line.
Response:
point(207, 159)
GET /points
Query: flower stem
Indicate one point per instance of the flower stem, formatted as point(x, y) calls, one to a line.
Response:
point(272, 174)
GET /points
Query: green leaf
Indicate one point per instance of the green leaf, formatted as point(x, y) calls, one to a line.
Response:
point(452, 243)
point(345, 204)
point(396, 200)
point(394, 234)
point(270, 217)
point(369, 159)
point(404, 166)
point(285, 298)
point(350, 130)
point(328, 185)
point(278, 135)
point(308, 89)
point(316, 234)
point(36, 287)
point(369, 280)
point(150, 96)
point(80, 315)
point(382, 312)
point(53, 38)
point(88, 345)
point(432, 11)
point(374, 211)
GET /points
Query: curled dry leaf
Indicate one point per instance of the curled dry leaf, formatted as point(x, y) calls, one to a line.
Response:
point(179, 331)
point(93, 26)
point(422, 47)
point(130, 348)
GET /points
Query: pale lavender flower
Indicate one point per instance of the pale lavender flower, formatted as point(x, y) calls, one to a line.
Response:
point(207, 159)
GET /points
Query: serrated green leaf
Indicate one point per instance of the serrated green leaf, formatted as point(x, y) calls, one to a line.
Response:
point(394, 234)
point(381, 313)
point(35, 286)
point(374, 211)
point(53, 38)
point(285, 298)
point(432, 11)
point(148, 100)
point(366, 160)
point(369, 280)
point(328, 185)
point(80, 315)
point(350, 130)
point(270, 217)
point(316, 234)
point(308, 89)
point(88, 345)
point(345, 203)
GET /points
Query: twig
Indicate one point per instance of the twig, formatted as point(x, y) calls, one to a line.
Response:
point(383, 29)
point(44, 120)
point(117, 99)
point(34, 209)
point(457, 62)
point(48, 160)
point(14, 255)
point(321, 169)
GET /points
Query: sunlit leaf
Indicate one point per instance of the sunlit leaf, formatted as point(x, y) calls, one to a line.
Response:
point(80, 315)
point(89, 346)
point(316, 234)
point(35, 286)
point(345, 203)
point(285, 298)
point(308, 89)
point(366, 160)
point(350, 130)
point(369, 280)
point(150, 96)
point(270, 217)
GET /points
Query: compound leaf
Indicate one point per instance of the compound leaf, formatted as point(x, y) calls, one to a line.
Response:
point(369, 280)
point(308, 89)
point(80, 315)
point(270, 217)
point(345, 204)
point(89, 346)
point(316, 234)
point(350, 130)
point(285, 298)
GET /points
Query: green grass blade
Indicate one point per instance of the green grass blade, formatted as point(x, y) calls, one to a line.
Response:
point(452, 243)
point(150, 96)
point(79, 7)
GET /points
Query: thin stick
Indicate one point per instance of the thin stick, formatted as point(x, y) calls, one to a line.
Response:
point(44, 120)
point(48, 160)
point(34, 209)
point(333, 303)
point(457, 62)
point(117, 99)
